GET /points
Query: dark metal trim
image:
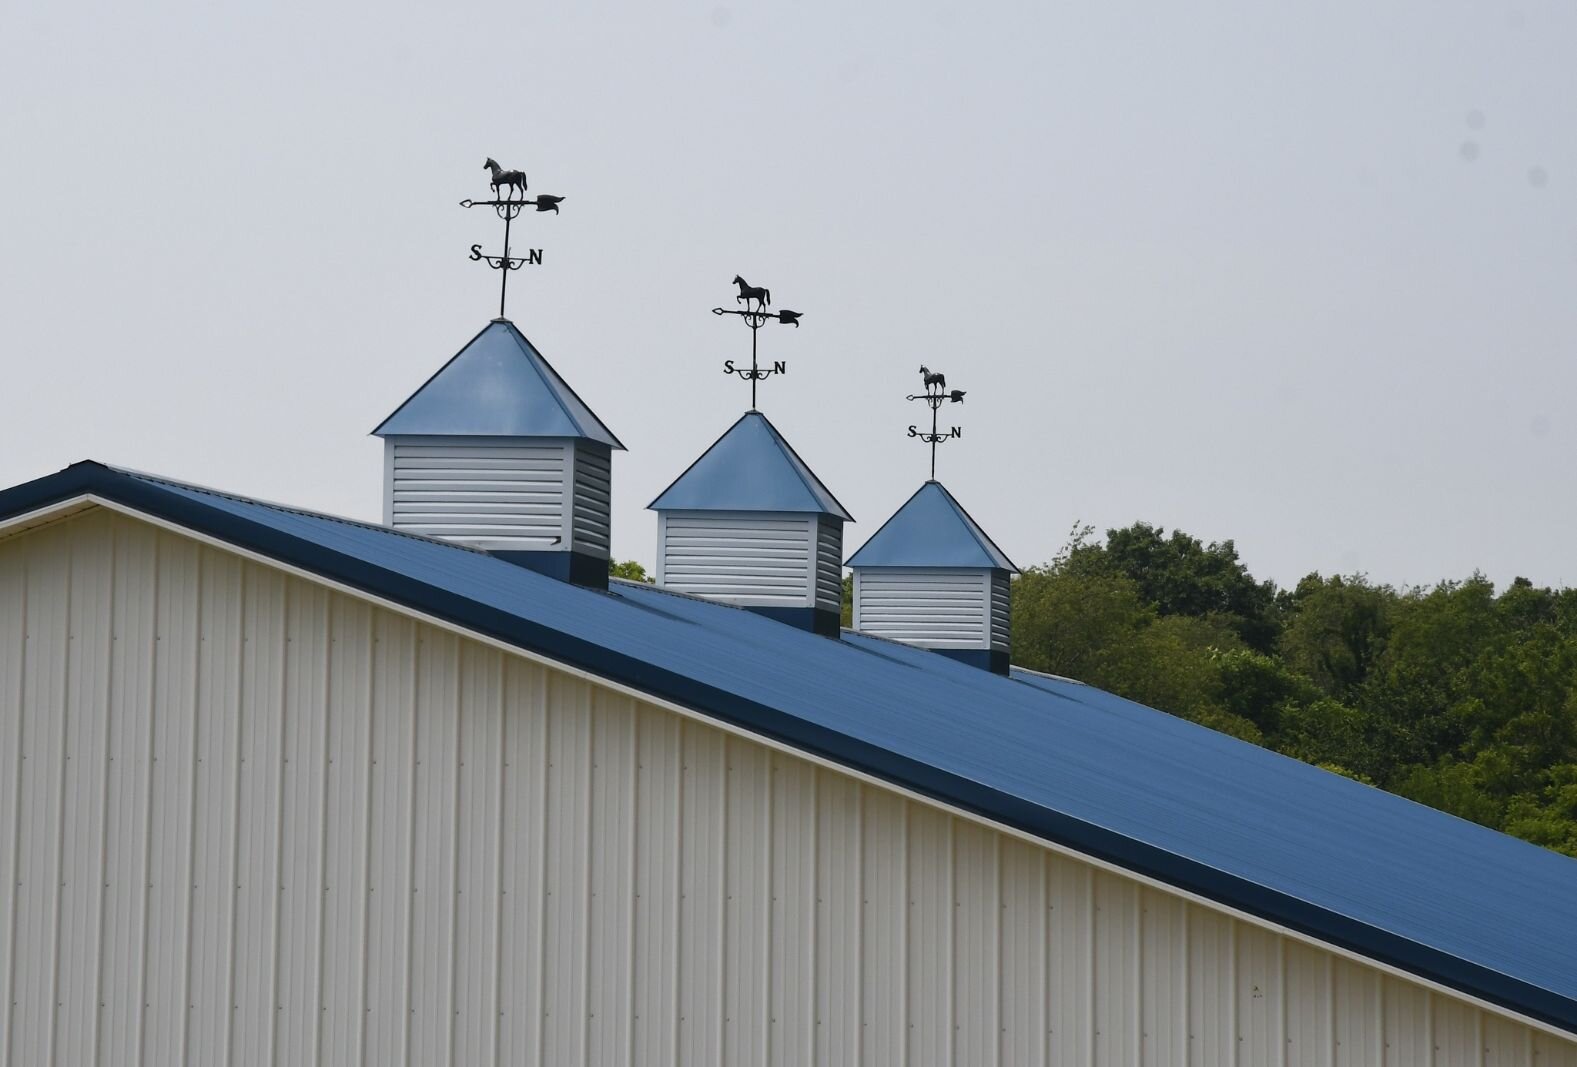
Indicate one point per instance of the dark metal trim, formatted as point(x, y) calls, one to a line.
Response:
point(987, 659)
point(816, 620)
point(577, 568)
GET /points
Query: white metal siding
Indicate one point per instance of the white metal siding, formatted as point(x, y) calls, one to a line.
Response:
point(930, 608)
point(248, 819)
point(500, 495)
point(742, 558)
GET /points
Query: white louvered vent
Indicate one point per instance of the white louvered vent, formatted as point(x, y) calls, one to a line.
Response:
point(593, 493)
point(497, 495)
point(743, 558)
point(932, 608)
point(1001, 611)
point(829, 564)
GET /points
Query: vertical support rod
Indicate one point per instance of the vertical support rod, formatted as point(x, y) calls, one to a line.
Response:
point(754, 329)
point(503, 288)
point(935, 403)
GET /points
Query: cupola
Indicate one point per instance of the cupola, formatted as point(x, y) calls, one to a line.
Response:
point(931, 577)
point(749, 524)
point(497, 452)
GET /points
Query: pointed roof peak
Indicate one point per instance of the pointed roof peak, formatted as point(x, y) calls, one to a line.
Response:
point(932, 529)
point(498, 385)
point(750, 468)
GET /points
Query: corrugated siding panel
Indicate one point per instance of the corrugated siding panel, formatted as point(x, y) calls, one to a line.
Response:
point(175, 659)
point(977, 945)
point(1163, 993)
point(884, 940)
point(658, 776)
point(251, 820)
point(1023, 940)
point(503, 496)
point(1360, 1038)
point(793, 961)
point(1310, 1030)
point(610, 970)
point(391, 819)
point(838, 909)
point(1212, 988)
point(88, 716)
point(703, 807)
point(934, 609)
point(930, 938)
point(593, 498)
point(747, 904)
point(567, 863)
point(214, 811)
point(15, 617)
point(477, 856)
point(1116, 955)
point(1070, 965)
point(738, 558)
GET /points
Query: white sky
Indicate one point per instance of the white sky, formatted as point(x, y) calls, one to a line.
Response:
point(1227, 267)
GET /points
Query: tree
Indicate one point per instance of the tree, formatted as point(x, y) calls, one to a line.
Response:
point(1179, 575)
point(629, 570)
point(1335, 628)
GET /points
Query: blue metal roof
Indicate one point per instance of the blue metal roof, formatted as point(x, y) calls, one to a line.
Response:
point(498, 385)
point(1445, 899)
point(749, 468)
point(931, 530)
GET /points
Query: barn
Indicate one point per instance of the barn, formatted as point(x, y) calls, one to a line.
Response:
point(284, 787)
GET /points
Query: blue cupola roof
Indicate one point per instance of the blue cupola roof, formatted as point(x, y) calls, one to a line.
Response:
point(931, 530)
point(750, 468)
point(498, 385)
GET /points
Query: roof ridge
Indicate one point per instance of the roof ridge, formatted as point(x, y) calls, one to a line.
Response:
point(548, 368)
point(800, 468)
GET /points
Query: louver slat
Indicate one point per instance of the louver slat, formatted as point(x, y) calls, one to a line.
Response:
point(936, 609)
point(485, 496)
point(741, 559)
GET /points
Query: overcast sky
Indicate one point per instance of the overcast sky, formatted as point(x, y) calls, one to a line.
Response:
point(1300, 275)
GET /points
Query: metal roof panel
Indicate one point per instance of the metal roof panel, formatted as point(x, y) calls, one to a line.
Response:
point(750, 468)
point(931, 530)
point(498, 385)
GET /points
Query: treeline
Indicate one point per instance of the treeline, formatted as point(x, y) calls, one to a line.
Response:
point(1452, 695)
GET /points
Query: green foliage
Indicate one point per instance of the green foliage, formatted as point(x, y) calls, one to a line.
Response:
point(628, 570)
point(1179, 575)
point(1451, 695)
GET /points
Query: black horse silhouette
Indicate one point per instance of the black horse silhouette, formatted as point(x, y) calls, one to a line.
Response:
point(506, 178)
point(936, 378)
point(748, 292)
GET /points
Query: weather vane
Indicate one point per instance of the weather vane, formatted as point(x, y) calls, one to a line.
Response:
point(509, 200)
point(936, 394)
point(756, 317)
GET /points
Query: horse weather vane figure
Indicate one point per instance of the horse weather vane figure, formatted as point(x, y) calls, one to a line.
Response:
point(756, 317)
point(509, 200)
point(936, 394)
